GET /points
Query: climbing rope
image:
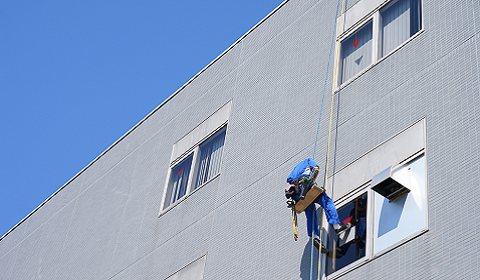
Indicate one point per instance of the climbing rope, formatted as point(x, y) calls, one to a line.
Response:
point(325, 178)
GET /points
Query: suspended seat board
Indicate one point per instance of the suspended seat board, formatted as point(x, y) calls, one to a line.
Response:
point(314, 192)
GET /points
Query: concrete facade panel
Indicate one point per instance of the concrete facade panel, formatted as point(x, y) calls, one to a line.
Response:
point(63, 199)
point(392, 152)
point(276, 23)
point(159, 264)
point(8, 263)
point(107, 222)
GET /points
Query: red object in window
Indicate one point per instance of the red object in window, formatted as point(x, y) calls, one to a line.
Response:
point(347, 220)
point(356, 43)
point(180, 173)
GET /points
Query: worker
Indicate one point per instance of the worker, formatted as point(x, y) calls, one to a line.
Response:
point(299, 186)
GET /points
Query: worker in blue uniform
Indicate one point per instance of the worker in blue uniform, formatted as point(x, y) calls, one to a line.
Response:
point(299, 186)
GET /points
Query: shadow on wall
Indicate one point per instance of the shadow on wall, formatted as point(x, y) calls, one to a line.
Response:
point(307, 262)
point(390, 215)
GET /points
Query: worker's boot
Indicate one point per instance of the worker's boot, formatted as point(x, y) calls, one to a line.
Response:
point(317, 244)
point(336, 254)
point(342, 228)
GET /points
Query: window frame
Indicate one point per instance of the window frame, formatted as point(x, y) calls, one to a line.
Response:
point(341, 60)
point(410, 160)
point(370, 226)
point(374, 15)
point(196, 164)
point(189, 180)
point(195, 151)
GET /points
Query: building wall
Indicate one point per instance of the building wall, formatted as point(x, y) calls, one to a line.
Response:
point(105, 224)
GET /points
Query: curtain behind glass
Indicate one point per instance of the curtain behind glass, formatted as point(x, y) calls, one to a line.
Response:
point(210, 158)
point(356, 52)
point(177, 186)
point(399, 22)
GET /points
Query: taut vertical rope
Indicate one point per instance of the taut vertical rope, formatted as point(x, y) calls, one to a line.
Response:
point(325, 178)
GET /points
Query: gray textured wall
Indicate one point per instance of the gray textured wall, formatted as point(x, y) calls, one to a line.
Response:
point(104, 224)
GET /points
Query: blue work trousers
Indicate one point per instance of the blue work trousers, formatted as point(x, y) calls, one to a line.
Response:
point(330, 212)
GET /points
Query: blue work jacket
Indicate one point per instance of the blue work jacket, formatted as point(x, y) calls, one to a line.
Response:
point(303, 168)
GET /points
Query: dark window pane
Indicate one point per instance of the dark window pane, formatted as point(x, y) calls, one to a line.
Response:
point(416, 16)
point(342, 254)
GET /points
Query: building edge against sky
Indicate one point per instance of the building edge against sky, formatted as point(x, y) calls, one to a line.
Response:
point(195, 190)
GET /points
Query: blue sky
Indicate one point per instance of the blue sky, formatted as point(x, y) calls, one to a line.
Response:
point(77, 75)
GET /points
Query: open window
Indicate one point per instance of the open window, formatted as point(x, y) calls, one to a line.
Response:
point(379, 224)
point(387, 186)
point(350, 246)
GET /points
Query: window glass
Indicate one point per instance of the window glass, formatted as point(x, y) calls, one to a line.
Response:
point(400, 21)
point(210, 158)
point(356, 52)
point(350, 246)
point(177, 185)
point(396, 221)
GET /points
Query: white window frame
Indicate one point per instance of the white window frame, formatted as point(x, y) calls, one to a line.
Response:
point(193, 172)
point(357, 17)
point(374, 50)
point(190, 144)
point(197, 152)
point(189, 182)
point(370, 227)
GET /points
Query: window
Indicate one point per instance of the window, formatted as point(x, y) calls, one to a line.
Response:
point(400, 21)
point(177, 186)
point(210, 158)
point(206, 159)
point(357, 52)
point(193, 271)
point(378, 223)
point(349, 247)
point(407, 216)
point(196, 158)
point(383, 29)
